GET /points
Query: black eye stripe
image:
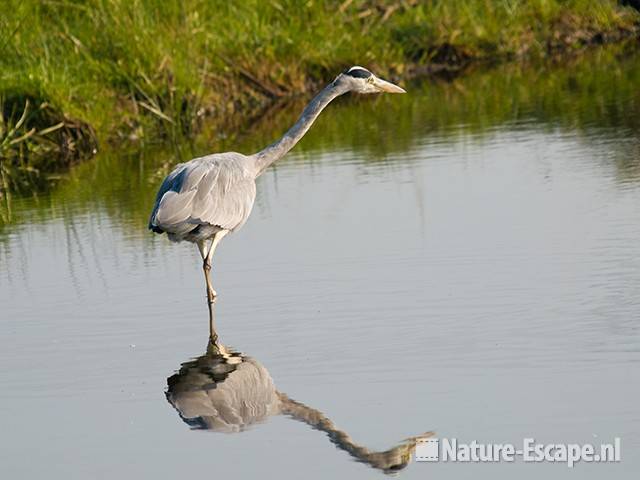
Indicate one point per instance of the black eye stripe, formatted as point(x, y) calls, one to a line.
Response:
point(358, 73)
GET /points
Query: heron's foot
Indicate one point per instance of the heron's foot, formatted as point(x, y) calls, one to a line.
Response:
point(213, 346)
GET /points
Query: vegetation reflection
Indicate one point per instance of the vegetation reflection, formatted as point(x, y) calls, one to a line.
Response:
point(596, 98)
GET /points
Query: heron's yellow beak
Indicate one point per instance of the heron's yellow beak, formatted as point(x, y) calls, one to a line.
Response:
point(387, 87)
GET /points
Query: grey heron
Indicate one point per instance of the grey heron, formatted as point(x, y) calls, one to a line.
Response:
point(204, 199)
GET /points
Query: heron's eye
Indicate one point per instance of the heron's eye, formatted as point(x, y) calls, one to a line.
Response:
point(370, 79)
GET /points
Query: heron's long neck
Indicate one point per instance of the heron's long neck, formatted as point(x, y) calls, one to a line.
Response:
point(279, 149)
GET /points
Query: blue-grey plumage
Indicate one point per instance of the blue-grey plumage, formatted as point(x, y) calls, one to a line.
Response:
point(202, 200)
point(204, 196)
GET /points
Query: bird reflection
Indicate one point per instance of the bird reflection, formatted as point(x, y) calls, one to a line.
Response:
point(227, 391)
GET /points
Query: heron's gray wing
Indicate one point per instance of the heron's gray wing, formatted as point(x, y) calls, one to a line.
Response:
point(224, 197)
point(172, 182)
point(204, 191)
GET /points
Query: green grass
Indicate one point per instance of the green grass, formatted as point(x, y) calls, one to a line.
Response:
point(594, 98)
point(149, 69)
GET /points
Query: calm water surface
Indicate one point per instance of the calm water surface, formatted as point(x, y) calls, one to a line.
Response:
point(464, 259)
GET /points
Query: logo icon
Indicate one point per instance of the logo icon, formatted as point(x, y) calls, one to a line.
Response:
point(427, 450)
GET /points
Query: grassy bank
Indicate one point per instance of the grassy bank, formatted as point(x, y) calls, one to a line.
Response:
point(148, 69)
point(592, 99)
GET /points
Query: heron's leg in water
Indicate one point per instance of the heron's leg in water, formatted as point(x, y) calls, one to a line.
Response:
point(206, 251)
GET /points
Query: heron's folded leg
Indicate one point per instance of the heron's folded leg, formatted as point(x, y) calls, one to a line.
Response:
point(204, 248)
point(208, 261)
point(206, 251)
point(206, 266)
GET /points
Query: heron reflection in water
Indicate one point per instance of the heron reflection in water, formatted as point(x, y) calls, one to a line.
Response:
point(227, 391)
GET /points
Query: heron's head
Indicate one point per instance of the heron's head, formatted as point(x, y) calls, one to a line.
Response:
point(360, 80)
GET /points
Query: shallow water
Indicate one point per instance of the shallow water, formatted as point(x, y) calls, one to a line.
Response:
point(463, 259)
